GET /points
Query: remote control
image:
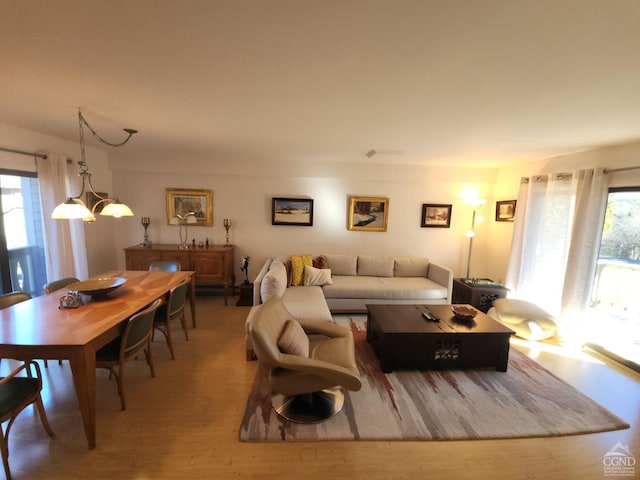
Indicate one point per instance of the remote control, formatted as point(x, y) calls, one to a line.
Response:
point(430, 316)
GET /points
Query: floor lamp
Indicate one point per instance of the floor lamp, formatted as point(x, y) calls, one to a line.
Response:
point(476, 203)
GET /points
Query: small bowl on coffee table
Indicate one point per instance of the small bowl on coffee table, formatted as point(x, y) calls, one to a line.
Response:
point(463, 313)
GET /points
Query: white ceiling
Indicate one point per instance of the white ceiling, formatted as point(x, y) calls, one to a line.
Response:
point(471, 82)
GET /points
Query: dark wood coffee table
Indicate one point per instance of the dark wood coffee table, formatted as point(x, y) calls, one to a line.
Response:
point(402, 338)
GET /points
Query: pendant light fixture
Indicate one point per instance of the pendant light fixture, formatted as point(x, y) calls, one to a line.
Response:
point(74, 207)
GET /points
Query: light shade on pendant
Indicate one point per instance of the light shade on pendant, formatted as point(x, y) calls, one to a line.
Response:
point(116, 209)
point(71, 209)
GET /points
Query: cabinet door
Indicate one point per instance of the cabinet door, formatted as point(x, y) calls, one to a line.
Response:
point(141, 259)
point(209, 266)
point(182, 257)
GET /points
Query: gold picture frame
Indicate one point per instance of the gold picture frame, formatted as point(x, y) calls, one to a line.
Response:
point(368, 214)
point(181, 201)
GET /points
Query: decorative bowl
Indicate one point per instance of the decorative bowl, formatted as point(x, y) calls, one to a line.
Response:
point(462, 313)
point(97, 287)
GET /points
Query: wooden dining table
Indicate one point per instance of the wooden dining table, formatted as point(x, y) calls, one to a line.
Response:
point(38, 328)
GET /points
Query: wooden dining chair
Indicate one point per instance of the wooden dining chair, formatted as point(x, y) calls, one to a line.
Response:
point(54, 286)
point(17, 393)
point(173, 309)
point(59, 284)
point(136, 337)
point(11, 298)
point(165, 267)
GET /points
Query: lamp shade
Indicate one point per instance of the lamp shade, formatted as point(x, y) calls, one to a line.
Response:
point(71, 209)
point(116, 209)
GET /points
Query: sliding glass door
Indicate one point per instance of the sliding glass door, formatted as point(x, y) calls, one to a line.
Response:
point(614, 317)
point(22, 260)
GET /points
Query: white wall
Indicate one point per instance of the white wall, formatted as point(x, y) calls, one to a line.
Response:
point(100, 235)
point(243, 193)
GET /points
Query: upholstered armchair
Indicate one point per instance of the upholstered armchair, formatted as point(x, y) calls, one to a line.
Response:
point(309, 362)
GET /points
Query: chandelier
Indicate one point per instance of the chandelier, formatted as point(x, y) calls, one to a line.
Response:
point(74, 207)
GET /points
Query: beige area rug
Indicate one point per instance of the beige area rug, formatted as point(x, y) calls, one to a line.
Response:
point(525, 401)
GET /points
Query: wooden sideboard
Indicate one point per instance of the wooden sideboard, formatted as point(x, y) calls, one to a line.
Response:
point(213, 265)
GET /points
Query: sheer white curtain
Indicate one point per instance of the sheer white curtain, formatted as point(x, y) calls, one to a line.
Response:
point(556, 239)
point(66, 254)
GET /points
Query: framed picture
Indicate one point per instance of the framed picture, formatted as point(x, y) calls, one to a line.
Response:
point(436, 215)
point(505, 211)
point(369, 214)
point(292, 211)
point(92, 199)
point(182, 201)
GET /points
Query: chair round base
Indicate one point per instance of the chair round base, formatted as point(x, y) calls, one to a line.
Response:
point(312, 407)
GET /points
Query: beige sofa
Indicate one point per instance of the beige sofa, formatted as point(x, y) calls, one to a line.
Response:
point(353, 282)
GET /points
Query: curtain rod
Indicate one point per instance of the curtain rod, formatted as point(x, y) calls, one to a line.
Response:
point(22, 152)
point(623, 169)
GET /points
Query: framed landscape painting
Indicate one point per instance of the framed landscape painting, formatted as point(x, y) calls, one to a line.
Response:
point(292, 211)
point(436, 215)
point(369, 214)
point(185, 200)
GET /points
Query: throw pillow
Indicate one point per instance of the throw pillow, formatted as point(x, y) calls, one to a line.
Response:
point(274, 282)
point(317, 276)
point(298, 263)
point(320, 262)
point(294, 340)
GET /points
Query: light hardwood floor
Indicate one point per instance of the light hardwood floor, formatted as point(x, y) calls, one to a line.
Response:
point(184, 424)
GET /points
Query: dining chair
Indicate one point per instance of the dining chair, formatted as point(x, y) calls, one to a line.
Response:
point(173, 309)
point(136, 337)
point(16, 393)
point(11, 298)
point(165, 267)
point(59, 284)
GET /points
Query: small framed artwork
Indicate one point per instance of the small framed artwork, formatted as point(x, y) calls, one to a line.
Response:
point(369, 214)
point(436, 215)
point(93, 199)
point(181, 201)
point(292, 211)
point(505, 211)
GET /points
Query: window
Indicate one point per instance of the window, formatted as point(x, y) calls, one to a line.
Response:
point(22, 261)
point(614, 326)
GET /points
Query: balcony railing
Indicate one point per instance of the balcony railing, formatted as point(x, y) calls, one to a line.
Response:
point(28, 271)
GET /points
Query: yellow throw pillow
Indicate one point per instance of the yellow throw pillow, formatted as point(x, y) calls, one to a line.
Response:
point(297, 268)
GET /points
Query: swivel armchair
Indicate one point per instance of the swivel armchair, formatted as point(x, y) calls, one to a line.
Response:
point(309, 362)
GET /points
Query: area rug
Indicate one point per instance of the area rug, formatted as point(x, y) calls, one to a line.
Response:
point(525, 401)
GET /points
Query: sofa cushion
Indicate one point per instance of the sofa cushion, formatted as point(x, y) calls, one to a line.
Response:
point(343, 264)
point(391, 288)
point(317, 276)
point(375, 266)
point(298, 263)
point(294, 340)
point(410, 267)
point(307, 303)
point(274, 282)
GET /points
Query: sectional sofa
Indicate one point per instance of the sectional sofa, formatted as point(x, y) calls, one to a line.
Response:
point(314, 287)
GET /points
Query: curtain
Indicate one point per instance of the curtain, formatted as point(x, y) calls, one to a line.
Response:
point(556, 238)
point(65, 247)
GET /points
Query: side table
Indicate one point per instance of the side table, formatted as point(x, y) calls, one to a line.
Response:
point(246, 295)
point(480, 296)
